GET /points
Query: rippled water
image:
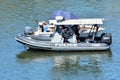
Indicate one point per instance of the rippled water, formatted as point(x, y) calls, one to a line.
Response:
point(18, 64)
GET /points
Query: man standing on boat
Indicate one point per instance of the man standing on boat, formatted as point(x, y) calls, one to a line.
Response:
point(76, 29)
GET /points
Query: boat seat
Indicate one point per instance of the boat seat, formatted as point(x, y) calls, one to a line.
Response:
point(57, 38)
point(73, 39)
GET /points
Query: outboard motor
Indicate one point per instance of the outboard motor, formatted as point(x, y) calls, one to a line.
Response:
point(28, 31)
point(106, 38)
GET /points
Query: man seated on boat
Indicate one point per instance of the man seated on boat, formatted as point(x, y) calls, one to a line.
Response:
point(42, 28)
point(83, 29)
point(60, 29)
point(39, 28)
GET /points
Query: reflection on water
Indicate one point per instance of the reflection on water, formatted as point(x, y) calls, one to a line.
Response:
point(62, 56)
point(69, 63)
point(37, 65)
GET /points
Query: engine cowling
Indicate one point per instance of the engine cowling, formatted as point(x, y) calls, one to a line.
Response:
point(106, 38)
point(28, 31)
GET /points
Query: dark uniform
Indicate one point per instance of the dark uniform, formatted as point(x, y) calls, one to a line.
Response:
point(67, 33)
point(76, 29)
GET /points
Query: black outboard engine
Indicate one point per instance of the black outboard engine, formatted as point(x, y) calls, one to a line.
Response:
point(106, 38)
point(28, 31)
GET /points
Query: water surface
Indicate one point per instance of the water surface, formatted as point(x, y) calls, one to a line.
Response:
point(16, 63)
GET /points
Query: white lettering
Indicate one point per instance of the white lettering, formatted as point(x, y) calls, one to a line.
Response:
point(95, 44)
point(65, 45)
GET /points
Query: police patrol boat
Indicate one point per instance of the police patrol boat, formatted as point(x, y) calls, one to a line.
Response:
point(66, 36)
